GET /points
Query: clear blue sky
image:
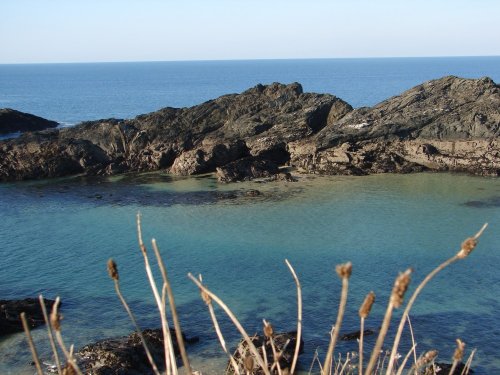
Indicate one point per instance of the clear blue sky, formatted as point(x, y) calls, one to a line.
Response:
point(144, 30)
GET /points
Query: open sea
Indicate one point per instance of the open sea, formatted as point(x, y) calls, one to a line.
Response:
point(57, 235)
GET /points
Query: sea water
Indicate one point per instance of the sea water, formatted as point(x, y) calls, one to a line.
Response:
point(57, 235)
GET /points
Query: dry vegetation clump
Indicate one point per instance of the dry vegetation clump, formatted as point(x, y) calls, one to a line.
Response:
point(272, 352)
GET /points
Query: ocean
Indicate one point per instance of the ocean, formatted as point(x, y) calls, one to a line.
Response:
point(57, 235)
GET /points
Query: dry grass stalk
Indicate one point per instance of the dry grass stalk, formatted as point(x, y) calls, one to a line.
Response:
point(468, 363)
point(50, 334)
point(55, 321)
point(412, 338)
point(424, 360)
point(235, 321)
point(344, 272)
point(396, 299)
point(364, 311)
point(170, 363)
point(34, 353)
point(457, 356)
point(405, 359)
point(299, 317)
point(268, 333)
point(113, 273)
point(173, 308)
point(208, 301)
point(467, 246)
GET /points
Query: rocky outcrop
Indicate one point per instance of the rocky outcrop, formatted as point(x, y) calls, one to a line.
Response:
point(12, 121)
point(449, 124)
point(126, 355)
point(10, 321)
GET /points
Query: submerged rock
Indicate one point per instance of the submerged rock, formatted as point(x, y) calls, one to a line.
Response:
point(12, 121)
point(284, 343)
point(351, 336)
point(10, 310)
point(126, 355)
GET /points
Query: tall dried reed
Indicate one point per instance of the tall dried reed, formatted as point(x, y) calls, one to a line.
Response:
point(253, 361)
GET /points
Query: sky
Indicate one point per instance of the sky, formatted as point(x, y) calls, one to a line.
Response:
point(42, 31)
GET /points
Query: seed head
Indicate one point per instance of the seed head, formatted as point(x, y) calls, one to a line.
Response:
point(113, 270)
point(268, 329)
point(467, 246)
point(55, 320)
point(205, 297)
point(69, 369)
point(427, 358)
point(344, 270)
point(366, 307)
point(248, 363)
point(459, 351)
point(400, 287)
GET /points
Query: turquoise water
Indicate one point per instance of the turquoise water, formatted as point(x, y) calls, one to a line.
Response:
point(56, 238)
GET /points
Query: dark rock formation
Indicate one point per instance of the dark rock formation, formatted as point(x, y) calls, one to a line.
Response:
point(446, 124)
point(284, 343)
point(125, 355)
point(12, 121)
point(10, 322)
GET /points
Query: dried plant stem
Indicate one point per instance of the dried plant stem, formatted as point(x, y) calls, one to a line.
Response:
point(412, 338)
point(417, 291)
point(235, 321)
point(380, 338)
point(50, 334)
point(275, 356)
point(68, 354)
point(453, 367)
point(173, 308)
point(410, 305)
point(34, 353)
point(407, 356)
point(361, 336)
point(137, 328)
point(299, 318)
point(338, 324)
point(468, 363)
point(346, 362)
point(170, 365)
point(221, 338)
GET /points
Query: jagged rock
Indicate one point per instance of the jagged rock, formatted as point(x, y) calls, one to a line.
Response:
point(12, 121)
point(10, 322)
point(284, 342)
point(247, 169)
point(448, 124)
point(126, 355)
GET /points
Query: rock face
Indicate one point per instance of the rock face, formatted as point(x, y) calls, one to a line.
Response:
point(10, 322)
point(12, 121)
point(449, 124)
point(125, 355)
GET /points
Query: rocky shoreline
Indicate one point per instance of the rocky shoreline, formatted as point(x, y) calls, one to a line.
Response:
point(448, 124)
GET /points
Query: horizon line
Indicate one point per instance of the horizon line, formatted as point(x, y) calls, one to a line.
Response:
point(251, 59)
